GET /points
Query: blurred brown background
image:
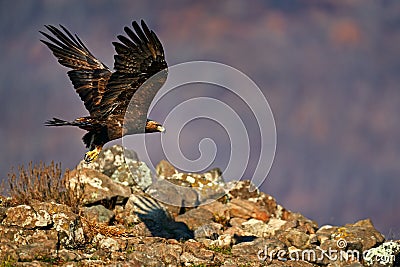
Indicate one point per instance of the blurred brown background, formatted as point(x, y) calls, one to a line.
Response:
point(329, 69)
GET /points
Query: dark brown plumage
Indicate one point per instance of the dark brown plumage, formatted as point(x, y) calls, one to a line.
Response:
point(105, 94)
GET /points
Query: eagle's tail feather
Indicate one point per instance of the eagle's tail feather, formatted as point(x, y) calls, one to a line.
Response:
point(57, 122)
point(84, 123)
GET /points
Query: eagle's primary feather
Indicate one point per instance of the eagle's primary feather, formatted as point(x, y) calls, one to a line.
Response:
point(106, 94)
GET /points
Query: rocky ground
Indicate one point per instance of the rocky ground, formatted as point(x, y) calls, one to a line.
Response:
point(128, 216)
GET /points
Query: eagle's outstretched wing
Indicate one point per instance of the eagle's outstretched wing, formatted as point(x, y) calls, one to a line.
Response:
point(88, 75)
point(139, 56)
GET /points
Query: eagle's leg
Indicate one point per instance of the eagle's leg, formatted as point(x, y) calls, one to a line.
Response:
point(92, 154)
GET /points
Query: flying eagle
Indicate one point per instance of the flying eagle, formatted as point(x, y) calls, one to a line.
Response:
point(106, 95)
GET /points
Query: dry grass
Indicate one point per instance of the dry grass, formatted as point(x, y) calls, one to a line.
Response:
point(42, 183)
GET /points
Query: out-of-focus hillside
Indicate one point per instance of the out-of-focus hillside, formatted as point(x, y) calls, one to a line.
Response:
point(328, 68)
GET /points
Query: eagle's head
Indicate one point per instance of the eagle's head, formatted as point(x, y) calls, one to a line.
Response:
point(153, 127)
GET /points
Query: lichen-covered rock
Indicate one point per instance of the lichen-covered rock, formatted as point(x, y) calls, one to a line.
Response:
point(109, 159)
point(243, 190)
point(42, 222)
point(210, 231)
point(295, 238)
point(247, 209)
point(195, 253)
point(195, 218)
point(98, 188)
point(207, 186)
point(120, 224)
point(300, 221)
point(121, 165)
point(262, 229)
point(98, 213)
point(360, 236)
point(221, 212)
point(24, 216)
point(106, 243)
point(383, 255)
point(174, 197)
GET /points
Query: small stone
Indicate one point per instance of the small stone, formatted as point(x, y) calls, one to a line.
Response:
point(236, 221)
point(303, 224)
point(191, 260)
point(138, 258)
point(255, 227)
point(243, 190)
point(210, 230)
point(246, 209)
point(254, 247)
point(98, 213)
point(220, 211)
point(164, 169)
point(261, 229)
point(68, 255)
point(294, 237)
point(196, 252)
point(275, 225)
point(223, 241)
point(107, 243)
point(140, 172)
point(195, 218)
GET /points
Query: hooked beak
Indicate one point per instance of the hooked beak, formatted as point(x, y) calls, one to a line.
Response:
point(160, 129)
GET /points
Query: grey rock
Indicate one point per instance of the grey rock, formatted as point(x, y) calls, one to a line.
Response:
point(360, 236)
point(98, 188)
point(195, 218)
point(262, 229)
point(210, 230)
point(246, 209)
point(244, 228)
point(173, 196)
point(258, 244)
point(98, 213)
point(243, 190)
point(294, 237)
point(109, 160)
point(208, 186)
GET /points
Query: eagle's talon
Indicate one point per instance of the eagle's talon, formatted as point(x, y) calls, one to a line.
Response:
point(92, 155)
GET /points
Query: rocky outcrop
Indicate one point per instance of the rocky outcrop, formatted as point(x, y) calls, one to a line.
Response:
point(122, 222)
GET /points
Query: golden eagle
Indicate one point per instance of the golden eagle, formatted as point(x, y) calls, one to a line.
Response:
point(107, 94)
